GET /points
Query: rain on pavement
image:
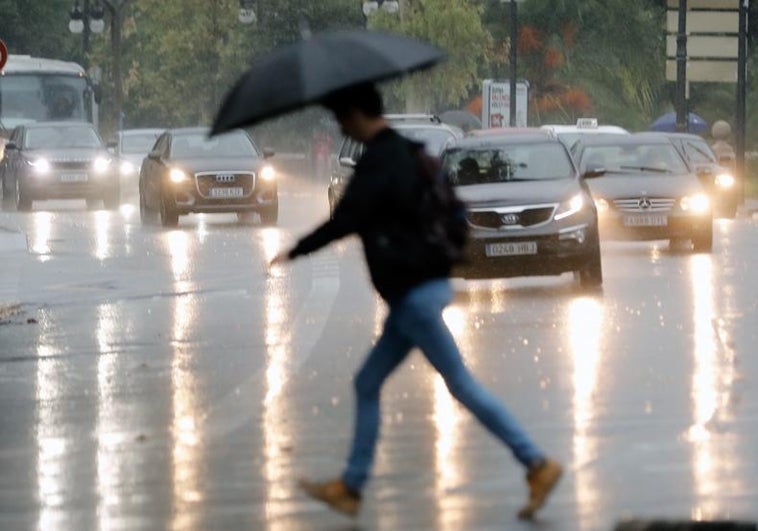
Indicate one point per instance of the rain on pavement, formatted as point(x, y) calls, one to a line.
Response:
point(169, 382)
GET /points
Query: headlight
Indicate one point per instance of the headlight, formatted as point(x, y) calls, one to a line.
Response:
point(40, 165)
point(101, 164)
point(601, 205)
point(724, 180)
point(176, 175)
point(127, 168)
point(570, 207)
point(698, 203)
point(268, 173)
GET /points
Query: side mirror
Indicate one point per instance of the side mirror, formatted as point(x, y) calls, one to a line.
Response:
point(155, 155)
point(347, 162)
point(268, 153)
point(591, 173)
point(10, 146)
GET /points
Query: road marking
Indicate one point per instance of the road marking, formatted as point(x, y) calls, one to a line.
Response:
point(302, 333)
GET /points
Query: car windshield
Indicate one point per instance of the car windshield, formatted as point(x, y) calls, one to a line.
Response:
point(633, 158)
point(61, 137)
point(434, 140)
point(138, 142)
point(199, 146)
point(517, 162)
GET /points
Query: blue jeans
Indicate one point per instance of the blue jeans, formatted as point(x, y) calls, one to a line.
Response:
point(416, 321)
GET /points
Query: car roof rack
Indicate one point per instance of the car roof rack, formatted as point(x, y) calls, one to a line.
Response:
point(413, 117)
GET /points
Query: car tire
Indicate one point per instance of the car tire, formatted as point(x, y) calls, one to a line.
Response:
point(9, 198)
point(169, 215)
point(702, 242)
point(112, 198)
point(590, 277)
point(23, 201)
point(146, 215)
point(270, 214)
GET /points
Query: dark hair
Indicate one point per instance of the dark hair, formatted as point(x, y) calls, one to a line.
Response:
point(365, 98)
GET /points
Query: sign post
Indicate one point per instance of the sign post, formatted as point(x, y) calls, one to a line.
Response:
point(496, 103)
point(3, 54)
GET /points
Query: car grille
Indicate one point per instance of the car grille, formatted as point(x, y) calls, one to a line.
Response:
point(70, 164)
point(644, 204)
point(528, 217)
point(206, 181)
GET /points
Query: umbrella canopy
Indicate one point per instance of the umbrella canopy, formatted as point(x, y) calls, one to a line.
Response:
point(667, 123)
point(463, 119)
point(304, 72)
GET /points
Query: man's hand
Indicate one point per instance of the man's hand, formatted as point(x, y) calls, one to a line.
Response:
point(280, 258)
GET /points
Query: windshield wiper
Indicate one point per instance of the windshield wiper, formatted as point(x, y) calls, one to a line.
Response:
point(645, 168)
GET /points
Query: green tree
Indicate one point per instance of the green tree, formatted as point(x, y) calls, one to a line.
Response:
point(39, 29)
point(456, 27)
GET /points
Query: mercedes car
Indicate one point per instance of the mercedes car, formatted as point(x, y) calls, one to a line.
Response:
point(57, 160)
point(529, 210)
point(130, 147)
point(188, 172)
point(646, 191)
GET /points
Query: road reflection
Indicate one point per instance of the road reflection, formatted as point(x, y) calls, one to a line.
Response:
point(714, 454)
point(41, 228)
point(109, 423)
point(102, 234)
point(585, 323)
point(52, 444)
point(277, 432)
point(186, 425)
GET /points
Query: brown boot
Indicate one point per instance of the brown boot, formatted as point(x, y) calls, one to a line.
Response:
point(335, 494)
point(541, 479)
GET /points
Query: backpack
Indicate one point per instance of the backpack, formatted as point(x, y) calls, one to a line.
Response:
point(441, 214)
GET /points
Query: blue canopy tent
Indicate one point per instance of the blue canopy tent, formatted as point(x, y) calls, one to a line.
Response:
point(667, 123)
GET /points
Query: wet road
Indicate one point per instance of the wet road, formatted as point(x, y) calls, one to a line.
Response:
point(170, 383)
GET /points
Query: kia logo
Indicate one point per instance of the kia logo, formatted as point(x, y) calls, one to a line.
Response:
point(509, 219)
point(225, 178)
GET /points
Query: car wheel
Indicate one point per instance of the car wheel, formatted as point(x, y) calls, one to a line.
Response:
point(591, 275)
point(9, 198)
point(702, 242)
point(169, 215)
point(112, 198)
point(146, 216)
point(270, 214)
point(23, 201)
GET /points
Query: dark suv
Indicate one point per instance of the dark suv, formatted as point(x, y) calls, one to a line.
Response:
point(424, 128)
point(57, 160)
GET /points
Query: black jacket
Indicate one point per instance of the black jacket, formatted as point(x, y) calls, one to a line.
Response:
point(380, 205)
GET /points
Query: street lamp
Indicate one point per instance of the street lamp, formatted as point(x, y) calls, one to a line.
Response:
point(371, 6)
point(247, 14)
point(85, 20)
point(513, 57)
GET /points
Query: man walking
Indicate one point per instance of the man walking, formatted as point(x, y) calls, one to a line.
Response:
point(379, 204)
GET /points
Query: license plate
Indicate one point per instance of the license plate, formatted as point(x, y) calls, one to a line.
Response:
point(511, 249)
point(646, 220)
point(73, 178)
point(226, 192)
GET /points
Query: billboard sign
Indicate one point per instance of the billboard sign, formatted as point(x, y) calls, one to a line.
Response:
point(496, 103)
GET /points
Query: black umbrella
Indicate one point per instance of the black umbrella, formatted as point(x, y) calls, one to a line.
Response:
point(463, 119)
point(303, 73)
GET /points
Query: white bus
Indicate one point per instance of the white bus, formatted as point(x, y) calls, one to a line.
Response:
point(33, 89)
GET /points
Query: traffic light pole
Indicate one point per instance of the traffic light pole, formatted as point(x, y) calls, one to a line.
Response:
point(741, 97)
point(682, 121)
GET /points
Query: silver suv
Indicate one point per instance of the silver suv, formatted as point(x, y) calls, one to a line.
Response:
point(425, 128)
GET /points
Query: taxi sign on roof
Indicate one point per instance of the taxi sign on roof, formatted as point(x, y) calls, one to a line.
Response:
point(587, 123)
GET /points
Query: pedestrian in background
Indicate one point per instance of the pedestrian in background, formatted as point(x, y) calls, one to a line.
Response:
point(380, 204)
